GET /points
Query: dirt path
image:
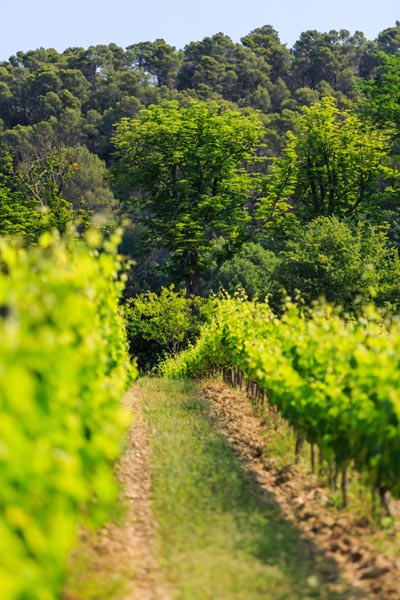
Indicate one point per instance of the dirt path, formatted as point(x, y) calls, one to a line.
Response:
point(137, 538)
point(372, 575)
point(122, 557)
point(121, 560)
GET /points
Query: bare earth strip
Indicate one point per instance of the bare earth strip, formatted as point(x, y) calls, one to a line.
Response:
point(124, 553)
point(371, 575)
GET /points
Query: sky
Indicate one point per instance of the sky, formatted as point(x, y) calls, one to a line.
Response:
point(31, 24)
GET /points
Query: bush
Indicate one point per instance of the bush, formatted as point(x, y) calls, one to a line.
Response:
point(344, 263)
point(160, 325)
point(251, 270)
point(63, 370)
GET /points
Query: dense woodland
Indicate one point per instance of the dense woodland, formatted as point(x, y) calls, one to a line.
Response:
point(287, 180)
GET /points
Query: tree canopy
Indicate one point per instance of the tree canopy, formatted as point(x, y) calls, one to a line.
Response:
point(185, 173)
point(345, 263)
point(205, 180)
point(334, 164)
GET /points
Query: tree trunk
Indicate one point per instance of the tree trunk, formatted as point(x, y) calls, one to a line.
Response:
point(192, 285)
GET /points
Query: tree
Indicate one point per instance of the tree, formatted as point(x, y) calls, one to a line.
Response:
point(36, 174)
point(159, 59)
point(264, 41)
point(334, 57)
point(160, 324)
point(389, 39)
point(251, 269)
point(334, 163)
point(183, 173)
point(19, 215)
point(343, 262)
point(381, 94)
point(217, 64)
point(314, 59)
point(88, 189)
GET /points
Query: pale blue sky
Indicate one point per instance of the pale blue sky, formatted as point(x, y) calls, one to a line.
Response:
point(30, 24)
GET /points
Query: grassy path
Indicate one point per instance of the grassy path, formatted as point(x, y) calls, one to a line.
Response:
point(219, 536)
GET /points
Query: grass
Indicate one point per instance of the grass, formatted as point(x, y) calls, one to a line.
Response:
point(89, 580)
point(219, 537)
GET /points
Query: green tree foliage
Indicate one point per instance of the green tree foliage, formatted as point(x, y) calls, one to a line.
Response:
point(75, 97)
point(389, 39)
point(272, 209)
point(332, 57)
point(313, 59)
point(160, 324)
point(216, 64)
point(338, 164)
point(53, 185)
point(88, 188)
point(264, 42)
point(39, 178)
point(146, 272)
point(66, 89)
point(380, 105)
point(344, 263)
point(251, 270)
point(381, 94)
point(184, 170)
point(158, 59)
point(19, 215)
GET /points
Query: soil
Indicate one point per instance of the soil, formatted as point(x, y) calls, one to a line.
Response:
point(341, 537)
point(125, 553)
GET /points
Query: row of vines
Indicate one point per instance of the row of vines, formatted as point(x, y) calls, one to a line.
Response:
point(63, 370)
point(337, 381)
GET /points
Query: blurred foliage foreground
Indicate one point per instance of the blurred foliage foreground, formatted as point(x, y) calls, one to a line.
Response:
point(63, 370)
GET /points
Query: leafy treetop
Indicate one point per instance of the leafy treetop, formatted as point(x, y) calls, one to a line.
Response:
point(186, 175)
